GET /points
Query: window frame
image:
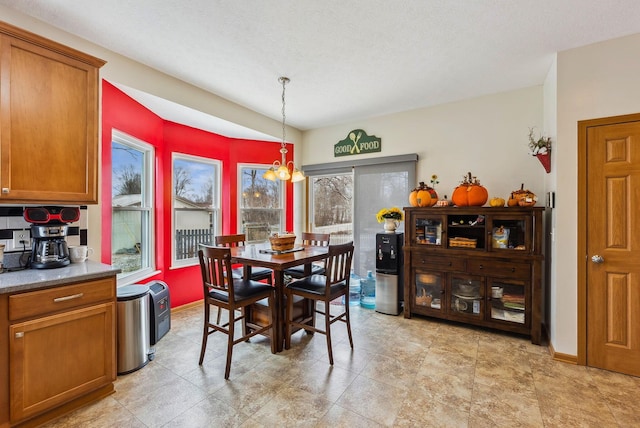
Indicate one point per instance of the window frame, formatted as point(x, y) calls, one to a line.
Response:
point(147, 206)
point(282, 202)
point(216, 204)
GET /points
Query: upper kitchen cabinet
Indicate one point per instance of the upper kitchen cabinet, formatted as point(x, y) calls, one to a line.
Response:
point(48, 121)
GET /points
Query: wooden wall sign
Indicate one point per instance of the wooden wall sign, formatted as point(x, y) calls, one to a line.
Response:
point(357, 142)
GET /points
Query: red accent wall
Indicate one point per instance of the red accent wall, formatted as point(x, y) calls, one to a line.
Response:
point(121, 112)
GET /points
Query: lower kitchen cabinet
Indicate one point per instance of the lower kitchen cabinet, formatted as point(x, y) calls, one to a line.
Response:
point(61, 347)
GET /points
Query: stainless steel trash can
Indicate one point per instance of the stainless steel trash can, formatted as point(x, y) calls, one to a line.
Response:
point(133, 327)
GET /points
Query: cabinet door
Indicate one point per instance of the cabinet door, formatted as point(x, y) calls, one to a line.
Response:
point(58, 358)
point(48, 125)
point(427, 229)
point(428, 291)
point(510, 233)
point(466, 297)
point(508, 301)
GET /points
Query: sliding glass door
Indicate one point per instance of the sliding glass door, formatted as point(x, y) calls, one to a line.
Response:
point(344, 201)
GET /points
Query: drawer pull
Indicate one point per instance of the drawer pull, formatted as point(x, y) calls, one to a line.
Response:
point(513, 269)
point(481, 267)
point(65, 298)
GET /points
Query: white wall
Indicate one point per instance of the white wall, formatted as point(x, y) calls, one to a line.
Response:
point(594, 81)
point(487, 136)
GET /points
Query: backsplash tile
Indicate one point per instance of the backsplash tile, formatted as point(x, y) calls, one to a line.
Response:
point(11, 219)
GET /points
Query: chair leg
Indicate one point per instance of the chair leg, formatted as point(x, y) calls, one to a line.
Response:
point(219, 314)
point(227, 369)
point(287, 320)
point(272, 316)
point(327, 327)
point(348, 321)
point(205, 332)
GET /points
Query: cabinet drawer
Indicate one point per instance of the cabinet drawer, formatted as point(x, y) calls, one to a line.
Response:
point(35, 303)
point(421, 260)
point(497, 268)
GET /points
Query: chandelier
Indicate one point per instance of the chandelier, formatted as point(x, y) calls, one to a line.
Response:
point(280, 169)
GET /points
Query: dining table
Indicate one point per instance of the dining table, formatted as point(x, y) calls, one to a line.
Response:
point(261, 255)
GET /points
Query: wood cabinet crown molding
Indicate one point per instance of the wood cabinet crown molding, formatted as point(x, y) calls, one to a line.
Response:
point(43, 42)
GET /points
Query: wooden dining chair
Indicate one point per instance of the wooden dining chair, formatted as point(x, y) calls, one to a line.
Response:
point(308, 238)
point(333, 284)
point(224, 291)
point(239, 240)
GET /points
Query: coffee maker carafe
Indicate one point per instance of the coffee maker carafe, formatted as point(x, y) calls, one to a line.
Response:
point(49, 231)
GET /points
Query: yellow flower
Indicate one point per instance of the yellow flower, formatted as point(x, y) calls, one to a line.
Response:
point(393, 213)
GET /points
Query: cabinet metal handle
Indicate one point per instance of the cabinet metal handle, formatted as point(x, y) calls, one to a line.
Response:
point(19, 334)
point(481, 267)
point(5, 190)
point(513, 269)
point(65, 298)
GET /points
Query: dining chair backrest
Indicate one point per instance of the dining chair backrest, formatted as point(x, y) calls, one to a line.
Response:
point(237, 240)
point(338, 265)
point(215, 262)
point(317, 239)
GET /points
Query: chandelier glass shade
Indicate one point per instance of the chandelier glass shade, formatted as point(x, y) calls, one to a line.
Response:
point(281, 169)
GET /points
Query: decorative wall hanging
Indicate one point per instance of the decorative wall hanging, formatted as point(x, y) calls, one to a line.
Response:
point(356, 143)
point(541, 148)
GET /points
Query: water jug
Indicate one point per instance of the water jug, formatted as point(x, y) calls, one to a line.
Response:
point(368, 291)
point(354, 289)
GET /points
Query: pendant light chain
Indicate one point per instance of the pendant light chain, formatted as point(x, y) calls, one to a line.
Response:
point(284, 81)
point(280, 168)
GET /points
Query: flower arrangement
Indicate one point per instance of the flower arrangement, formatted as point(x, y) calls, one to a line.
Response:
point(394, 213)
point(540, 146)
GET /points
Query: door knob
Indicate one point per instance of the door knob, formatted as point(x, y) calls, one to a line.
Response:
point(597, 259)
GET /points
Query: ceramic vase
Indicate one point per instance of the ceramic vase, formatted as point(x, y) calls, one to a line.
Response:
point(390, 225)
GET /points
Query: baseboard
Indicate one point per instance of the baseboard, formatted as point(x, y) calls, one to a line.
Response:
point(187, 306)
point(564, 358)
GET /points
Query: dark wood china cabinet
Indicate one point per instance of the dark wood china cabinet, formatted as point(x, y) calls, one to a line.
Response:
point(476, 265)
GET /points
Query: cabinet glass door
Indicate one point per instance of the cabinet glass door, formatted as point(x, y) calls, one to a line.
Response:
point(510, 233)
point(508, 301)
point(428, 292)
point(466, 296)
point(427, 230)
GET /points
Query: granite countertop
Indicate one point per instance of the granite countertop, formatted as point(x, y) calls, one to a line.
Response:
point(33, 279)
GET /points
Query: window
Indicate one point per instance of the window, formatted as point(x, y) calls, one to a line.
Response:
point(132, 246)
point(196, 206)
point(261, 203)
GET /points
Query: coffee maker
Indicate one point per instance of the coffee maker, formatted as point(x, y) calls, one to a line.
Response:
point(49, 228)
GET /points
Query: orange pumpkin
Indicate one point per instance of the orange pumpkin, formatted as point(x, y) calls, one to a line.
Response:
point(423, 196)
point(470, 193)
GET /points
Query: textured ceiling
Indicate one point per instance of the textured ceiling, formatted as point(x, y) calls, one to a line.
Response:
point(347, 59)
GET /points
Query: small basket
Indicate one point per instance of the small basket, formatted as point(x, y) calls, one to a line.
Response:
point(463, 242)
point(282, 242)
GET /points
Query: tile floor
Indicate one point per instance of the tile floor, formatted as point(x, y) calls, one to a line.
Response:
point(401, 373)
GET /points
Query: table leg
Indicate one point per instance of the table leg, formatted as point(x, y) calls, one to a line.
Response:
point(279, 328)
